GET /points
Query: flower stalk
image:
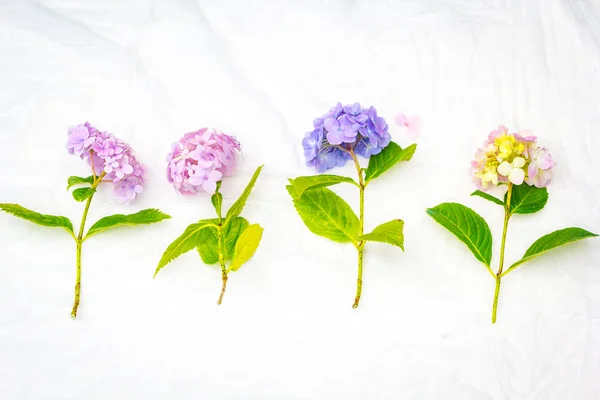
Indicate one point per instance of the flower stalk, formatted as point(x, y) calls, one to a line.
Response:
point(79, 241)
point(361, 243)
point(502, 248)
point(221, 262)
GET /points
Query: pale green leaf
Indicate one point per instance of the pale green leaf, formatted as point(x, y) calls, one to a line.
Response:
point(488, 197)
point(468, 226)
point(326, 214)
point(78, 180)
point(208, 245)
point(303, 183)
point(184, 243)
point(246, 245)
point(238, 206)
point(148, 216)
point(390, 232)
point(389, 156)
point(217, 200)
point(551, 241)
point(37, 218)
point(83, 194)
point(527, 199)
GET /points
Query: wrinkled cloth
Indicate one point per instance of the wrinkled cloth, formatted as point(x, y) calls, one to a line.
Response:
point(261, 71)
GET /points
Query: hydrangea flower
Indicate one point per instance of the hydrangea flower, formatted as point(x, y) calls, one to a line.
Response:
point(111, 158)
point(341, 130)
point(511, 157)
point(200, 159)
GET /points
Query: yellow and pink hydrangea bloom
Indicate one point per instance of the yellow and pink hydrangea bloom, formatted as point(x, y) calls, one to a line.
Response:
point(511, 157)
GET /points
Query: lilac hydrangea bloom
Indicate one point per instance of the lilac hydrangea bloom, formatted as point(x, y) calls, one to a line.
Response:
point(342, 130)
point(111, 158)
point(200, 159)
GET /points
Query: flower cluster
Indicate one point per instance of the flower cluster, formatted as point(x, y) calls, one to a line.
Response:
point(342, 130)
point(200, 159)
point(110, 157)
point(511, 157)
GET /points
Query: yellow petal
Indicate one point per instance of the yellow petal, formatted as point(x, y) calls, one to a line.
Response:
point(518, 162)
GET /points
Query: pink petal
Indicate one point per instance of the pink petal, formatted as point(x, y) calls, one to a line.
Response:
point(532, 170)
point(400, 119)
point(545, 162)
point(210, 186)
point(215, 175)
point(415, 122)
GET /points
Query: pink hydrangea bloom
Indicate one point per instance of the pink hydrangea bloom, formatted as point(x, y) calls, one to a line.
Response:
point(200, 159)
point(109, 156)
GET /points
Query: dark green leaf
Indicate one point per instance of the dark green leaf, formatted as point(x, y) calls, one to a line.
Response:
point(246, 245)
point(527, 199)
point(488, 197)
point(390, 232)
point(208, 247)
point(78, 180)
point(326, 214)
point(37, 218)
point(238, 206)
point(148, 216)
point(388, 157)
point(303, 183)
point(83, 194)
point(184, 243)
point(468, 226)
point(550, 241)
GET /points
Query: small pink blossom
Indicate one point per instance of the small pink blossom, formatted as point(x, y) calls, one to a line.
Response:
point(539, 171)
point(411, 124)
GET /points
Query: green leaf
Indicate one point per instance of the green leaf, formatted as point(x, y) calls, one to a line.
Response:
point(37, 218)
point(246, 245)
point(217, 200)
point(209, 245)
point(78, 180)
point(488, 197)
point(527, 199)
point(388, 157)
point(83, 194)
point(468, 226)
point(231, 232)
point(550, 241)
point(238, 206)
point(303, 183)
point(184, 243)
point(326, 214)
point(390, 232)
point(148, 216)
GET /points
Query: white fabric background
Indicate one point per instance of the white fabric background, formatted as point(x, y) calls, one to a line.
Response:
point(150, 71)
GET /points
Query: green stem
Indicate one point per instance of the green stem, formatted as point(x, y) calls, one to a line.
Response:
point(502, 248)
point(222, 262)
point(79, 241)
point(361, 244)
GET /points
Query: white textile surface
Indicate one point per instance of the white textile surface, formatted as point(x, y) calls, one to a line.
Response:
point(261, 70)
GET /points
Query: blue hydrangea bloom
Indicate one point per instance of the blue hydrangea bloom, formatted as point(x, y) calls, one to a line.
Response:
point(342, 130)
